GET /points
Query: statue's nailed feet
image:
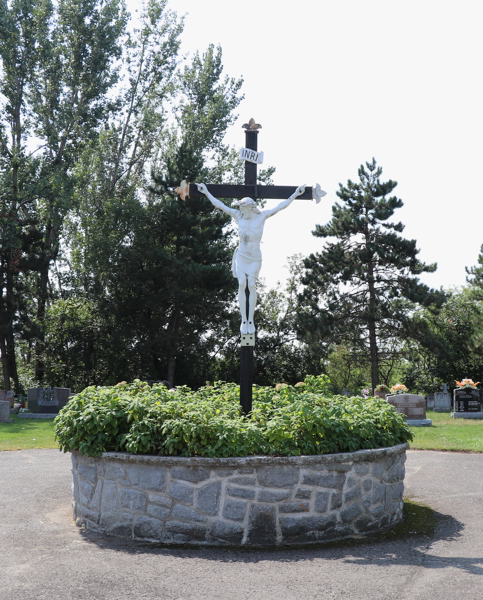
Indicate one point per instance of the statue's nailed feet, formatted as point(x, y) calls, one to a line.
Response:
point(247, 327)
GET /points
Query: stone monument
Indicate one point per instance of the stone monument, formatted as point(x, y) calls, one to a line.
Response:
point(412, 407)
point(47, 400)
point(442, 400)
point(467, 403)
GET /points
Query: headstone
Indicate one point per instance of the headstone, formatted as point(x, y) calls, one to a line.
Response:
point(430, 402)
point(47, 400)
point(4, 412)
point(442, 400)
point(412, 407)
point(467, 400)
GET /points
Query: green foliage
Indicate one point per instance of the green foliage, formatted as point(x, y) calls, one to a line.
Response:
point(362, 288)
point(290, 421)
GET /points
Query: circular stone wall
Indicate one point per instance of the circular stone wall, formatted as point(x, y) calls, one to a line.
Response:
point(249, 501)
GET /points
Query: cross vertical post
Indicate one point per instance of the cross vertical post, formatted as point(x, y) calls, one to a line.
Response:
point(246, 352)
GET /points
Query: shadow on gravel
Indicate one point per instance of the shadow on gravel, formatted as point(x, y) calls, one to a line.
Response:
point(406, 544)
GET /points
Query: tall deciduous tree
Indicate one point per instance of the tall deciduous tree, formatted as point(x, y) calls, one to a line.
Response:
point(56, 72)
point(361, 289)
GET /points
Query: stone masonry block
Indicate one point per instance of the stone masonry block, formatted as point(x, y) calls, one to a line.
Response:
point(85, 492)
point(321, 502)
point(274, 495)
point(262, 525)
point(148, 528)
point(181, 491)
point(87, 472)
point(239, 492)
point(113, 470)
point(348, 515)
point(208, 498)
point(187, 514)
point(361, 469)
point(351, 482)
point(234, 510)
point(304, 493)
point(185, 532)
point(278, 477)
point(378, 468)
point(161, 500)
point(378, 492)
point(160, 512)
point(335, 501)
point(243, 480)
point(367, 485)
point(305, 529)
point(95, 502)
point(293, 507)
point(354, 494)
point(132, 499)
point(334, 481)
point(231, 534)
point(147, 478)
point(190, 474)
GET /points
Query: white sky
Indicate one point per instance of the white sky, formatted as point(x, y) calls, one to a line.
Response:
point(337, 82)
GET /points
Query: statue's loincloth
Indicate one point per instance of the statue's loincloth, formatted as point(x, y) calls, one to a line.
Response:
point(246, 264)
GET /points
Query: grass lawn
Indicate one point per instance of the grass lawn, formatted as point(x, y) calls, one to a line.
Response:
point(449, 434)
point(23, 434)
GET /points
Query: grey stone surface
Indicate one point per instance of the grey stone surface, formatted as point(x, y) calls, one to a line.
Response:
point(234, 510)
point(239, 492)
point(295, 500)
point(278, 477)
point(262, 525)
point(208, 498)
point(335, 481)
point(321, 502)
point(181, 491)
point(274, 495)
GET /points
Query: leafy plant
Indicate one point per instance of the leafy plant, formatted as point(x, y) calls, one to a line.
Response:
point(140, 419)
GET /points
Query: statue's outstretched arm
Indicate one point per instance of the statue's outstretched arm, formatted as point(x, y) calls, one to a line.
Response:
point(216, 203)
point(298, 192)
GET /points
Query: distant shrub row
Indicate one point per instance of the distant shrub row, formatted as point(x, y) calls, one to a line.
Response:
point(285, 421)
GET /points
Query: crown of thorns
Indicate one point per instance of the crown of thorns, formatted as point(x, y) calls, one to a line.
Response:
point(248, 202)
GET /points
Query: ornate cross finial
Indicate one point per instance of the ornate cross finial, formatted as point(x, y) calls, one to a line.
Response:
point(251, 125)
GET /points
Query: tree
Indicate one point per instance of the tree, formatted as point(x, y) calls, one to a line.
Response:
point(362, 288)
point(56, 73)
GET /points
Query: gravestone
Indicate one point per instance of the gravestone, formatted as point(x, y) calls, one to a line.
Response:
point(442, 400)
point(47, 400)
point(467, 403)
point(412, 407)
point(430, 402)
point(7, 397)
point(4, 412)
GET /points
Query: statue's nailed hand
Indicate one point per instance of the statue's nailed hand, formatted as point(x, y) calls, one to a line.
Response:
point(299, 191)
point(202, 188)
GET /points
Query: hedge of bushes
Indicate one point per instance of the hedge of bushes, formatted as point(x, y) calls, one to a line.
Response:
point(285, 421)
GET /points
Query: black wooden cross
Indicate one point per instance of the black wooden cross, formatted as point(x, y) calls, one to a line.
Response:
point(252, 190)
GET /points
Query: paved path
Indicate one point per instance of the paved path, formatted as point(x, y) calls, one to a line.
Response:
point(44, 556)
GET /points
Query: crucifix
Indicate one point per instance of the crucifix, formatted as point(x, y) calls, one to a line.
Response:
point(247, 258)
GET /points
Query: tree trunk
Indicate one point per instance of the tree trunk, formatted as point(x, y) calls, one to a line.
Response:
point(3, 352)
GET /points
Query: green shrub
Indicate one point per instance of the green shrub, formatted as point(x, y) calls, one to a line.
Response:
point(290, 421)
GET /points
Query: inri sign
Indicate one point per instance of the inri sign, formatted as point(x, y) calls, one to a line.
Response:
point(251, 155)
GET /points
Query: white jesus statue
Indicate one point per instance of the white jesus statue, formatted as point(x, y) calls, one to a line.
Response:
point(247, 258)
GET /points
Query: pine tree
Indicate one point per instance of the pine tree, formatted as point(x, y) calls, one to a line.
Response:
point(362, 287)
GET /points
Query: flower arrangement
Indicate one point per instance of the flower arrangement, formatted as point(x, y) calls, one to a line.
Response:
point(398, 388)
point(467, 383)
point(381, 388)
point(366, 392)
